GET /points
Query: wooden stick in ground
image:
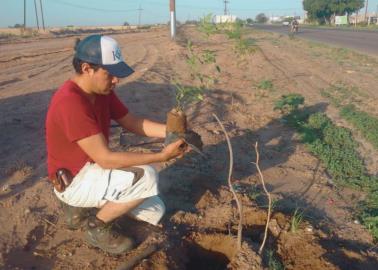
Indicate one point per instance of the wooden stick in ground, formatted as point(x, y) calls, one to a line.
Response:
point(240, 209)
point(267, 194)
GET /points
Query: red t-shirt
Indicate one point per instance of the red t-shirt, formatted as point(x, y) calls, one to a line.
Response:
point(71, 117)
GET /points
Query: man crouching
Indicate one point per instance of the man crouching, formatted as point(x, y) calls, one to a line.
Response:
point(84, 171)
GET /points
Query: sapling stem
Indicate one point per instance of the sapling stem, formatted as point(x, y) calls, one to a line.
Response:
point(267, 194)
point(239, 205)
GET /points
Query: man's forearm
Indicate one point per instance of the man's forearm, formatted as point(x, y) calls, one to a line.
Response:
point(116, 160)
point(142, 126)
point(153, 129)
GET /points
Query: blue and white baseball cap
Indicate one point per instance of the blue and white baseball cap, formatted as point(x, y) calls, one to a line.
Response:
point(105, 52)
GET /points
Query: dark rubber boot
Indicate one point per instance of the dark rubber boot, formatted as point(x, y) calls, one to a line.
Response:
point(103, 236)
point(74, 217)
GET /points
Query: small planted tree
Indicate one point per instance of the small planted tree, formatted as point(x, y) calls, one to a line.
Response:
point(206, 25)
point(176, 118)
point(185, 95)
point(242, 46)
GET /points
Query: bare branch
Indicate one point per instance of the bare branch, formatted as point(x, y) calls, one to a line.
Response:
point(240, 209)
point(267, 194)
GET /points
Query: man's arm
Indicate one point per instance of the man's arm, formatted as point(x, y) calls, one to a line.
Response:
point(142, 126)
point(96, 148)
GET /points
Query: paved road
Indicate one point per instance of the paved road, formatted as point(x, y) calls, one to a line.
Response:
point(360, 40)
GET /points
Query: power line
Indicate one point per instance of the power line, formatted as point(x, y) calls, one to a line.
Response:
point(91, 8)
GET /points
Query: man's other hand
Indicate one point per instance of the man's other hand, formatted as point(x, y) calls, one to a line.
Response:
point(175, 149)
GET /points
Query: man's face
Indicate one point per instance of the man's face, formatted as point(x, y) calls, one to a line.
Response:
point(103, 82)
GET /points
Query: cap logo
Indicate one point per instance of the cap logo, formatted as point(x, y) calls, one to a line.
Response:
point(117, 56)
point(111, 52)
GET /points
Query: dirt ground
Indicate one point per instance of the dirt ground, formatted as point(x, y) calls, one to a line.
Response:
point(200, 227)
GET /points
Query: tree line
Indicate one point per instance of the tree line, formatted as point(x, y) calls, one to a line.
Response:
point(323, 10)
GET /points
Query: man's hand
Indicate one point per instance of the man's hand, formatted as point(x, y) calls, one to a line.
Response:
point(175, 149)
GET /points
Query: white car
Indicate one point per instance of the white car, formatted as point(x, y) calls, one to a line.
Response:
point(285, 23)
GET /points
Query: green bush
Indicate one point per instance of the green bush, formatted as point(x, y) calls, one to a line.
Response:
point(206, 25)
point(369, 213)
point(336, 148)
point(234, 31)
point(265, 85)
point(289, 103)
point(367, 124)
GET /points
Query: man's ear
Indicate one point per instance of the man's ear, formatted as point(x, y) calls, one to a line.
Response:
point(86, 68)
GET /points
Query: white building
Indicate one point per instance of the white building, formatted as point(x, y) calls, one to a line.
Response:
point(224, 18)
point(276, 19)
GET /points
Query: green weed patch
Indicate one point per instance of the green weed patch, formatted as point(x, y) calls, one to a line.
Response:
point(337, 149)
point(368, 213)
point(340, 94)
point(344, 97)
point(265, 85)
point(365, 123)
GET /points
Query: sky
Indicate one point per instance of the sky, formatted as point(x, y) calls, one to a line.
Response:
point(116, 12)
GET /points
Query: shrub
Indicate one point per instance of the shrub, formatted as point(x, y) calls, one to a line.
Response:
point(289, 103)
point(206, 25)
point(367, 124)
point(265, 85)
point(336, 148)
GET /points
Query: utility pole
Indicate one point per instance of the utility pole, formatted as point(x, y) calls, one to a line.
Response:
point(225, 7)
point(139, 15)
point(366, 8)
point(43, 21)
point(36, 13)
point(24, 14)
point(172, 8)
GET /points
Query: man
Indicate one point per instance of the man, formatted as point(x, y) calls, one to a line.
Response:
point(77, 135)
point(294, 26)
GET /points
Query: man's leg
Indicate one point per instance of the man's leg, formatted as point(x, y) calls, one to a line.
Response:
point(135, 197)
point(123, 194)
point(112, 210)
point(151, 210)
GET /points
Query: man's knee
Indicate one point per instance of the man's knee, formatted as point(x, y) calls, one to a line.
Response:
point(159, 211)
point(151, 210)
point(161, 208)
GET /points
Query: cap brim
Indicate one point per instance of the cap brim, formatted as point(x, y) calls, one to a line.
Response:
point(120, 70)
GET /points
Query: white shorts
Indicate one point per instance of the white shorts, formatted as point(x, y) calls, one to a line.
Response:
point(93, 186)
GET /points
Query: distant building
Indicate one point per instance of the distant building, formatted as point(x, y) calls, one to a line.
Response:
point(276, 19)
point(371, 18)
point(224, 18)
